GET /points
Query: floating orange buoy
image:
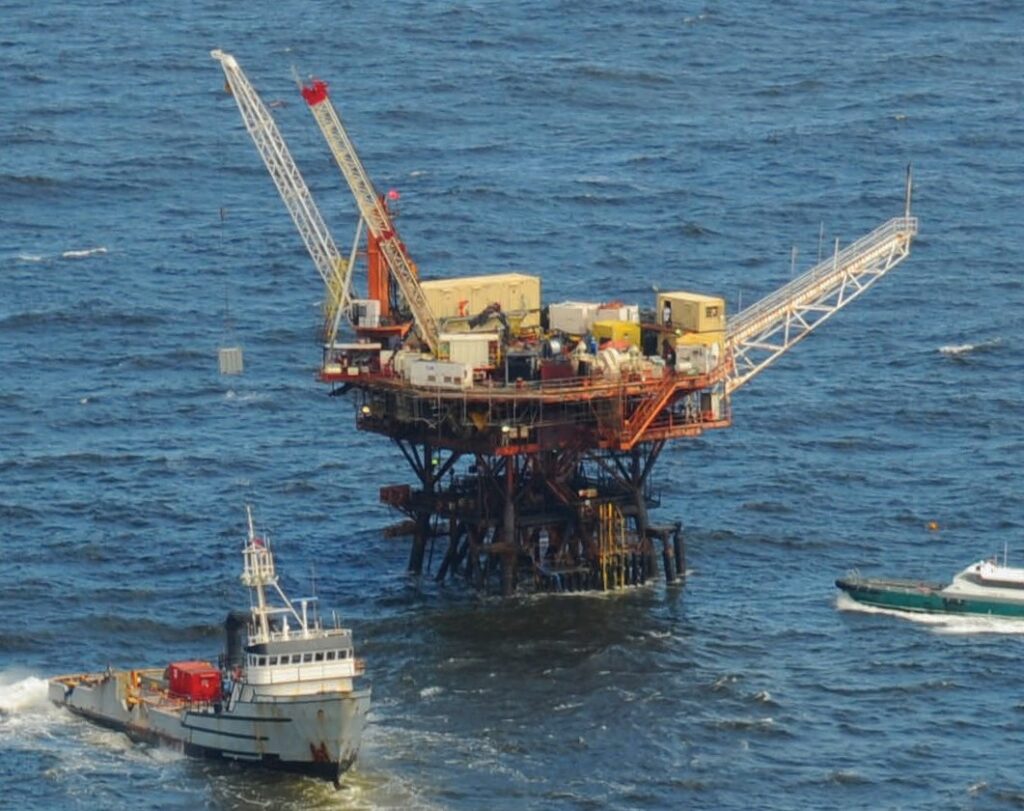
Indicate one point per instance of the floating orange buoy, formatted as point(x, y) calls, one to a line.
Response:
point(933, 525)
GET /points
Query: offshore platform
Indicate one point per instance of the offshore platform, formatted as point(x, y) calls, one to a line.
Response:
point(532, 429)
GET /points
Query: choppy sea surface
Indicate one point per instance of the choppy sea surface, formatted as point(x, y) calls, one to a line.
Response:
point(611, 148)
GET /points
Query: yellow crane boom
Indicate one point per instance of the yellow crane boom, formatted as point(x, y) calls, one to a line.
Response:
point(373, 212)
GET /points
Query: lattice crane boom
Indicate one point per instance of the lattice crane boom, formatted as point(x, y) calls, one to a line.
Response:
point(372, 209)
point(758, 335)
point(332, 267)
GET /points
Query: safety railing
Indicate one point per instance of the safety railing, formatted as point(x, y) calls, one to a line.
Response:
point(809, 285)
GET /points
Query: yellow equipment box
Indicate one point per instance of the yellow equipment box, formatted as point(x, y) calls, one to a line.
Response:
point(616, 331)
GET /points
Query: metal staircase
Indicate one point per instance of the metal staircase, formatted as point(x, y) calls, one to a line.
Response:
point(652, 405)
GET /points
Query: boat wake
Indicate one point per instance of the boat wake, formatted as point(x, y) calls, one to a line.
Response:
point(82, 254)
point(945, 624)
point(21, 694)
point(71, 253)
point(960, 350)
point(26, 716)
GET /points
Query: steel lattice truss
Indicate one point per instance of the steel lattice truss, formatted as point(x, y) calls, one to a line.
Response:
point(764, 331)
point(333, 269)
point(372, 209)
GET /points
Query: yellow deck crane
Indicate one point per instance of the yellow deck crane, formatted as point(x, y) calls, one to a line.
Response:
point(373, 210)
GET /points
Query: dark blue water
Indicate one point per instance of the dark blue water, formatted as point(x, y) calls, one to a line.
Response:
point(608, 147)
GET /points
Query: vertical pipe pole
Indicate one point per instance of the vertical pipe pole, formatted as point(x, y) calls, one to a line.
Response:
point(668, 558)
point(508, 557)
point(680, 550)
point(419, 540)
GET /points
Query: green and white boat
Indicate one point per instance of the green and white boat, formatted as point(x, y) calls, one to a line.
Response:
point(986, 587)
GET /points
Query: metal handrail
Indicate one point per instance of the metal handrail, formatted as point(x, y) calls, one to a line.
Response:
point(752, 318)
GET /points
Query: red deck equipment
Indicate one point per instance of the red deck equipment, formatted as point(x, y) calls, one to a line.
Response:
point(199, 681)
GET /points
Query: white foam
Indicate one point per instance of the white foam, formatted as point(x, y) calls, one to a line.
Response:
point(81, 254)
point(430, 692)
point(955, 350)
point(30, 257)
point(23, 694)
point(948, 624)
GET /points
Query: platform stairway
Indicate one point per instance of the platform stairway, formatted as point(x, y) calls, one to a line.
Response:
point(640, 420)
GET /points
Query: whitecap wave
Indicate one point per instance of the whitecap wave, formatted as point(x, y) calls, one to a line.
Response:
point(947, 624)
point(959, 350)
point(84, 252)
point(30, 257)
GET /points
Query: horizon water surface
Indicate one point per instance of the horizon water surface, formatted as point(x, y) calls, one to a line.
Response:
point(610, 148)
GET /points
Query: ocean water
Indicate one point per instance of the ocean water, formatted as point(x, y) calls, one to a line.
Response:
point(610, 148)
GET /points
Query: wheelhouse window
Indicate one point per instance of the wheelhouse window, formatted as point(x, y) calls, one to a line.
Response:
point(307, 657)
point(343, 654)
point(319, 657)
point(330, 656)
point(263, 661)
point(273, 661)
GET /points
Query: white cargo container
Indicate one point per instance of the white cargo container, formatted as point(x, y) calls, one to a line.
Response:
point(366, 312)
point(230, 360)
point(620, 312)
point(440, 374)
point(573, 317)
point(697, 359)
point(404, 358)
point(476, 349)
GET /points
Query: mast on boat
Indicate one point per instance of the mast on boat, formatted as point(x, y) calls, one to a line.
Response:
point(258, 574)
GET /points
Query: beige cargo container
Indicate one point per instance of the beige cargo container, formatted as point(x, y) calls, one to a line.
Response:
point(467, 296)
point(691, 311)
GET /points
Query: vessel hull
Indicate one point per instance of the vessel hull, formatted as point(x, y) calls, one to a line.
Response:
point(928, 598)
point(316, 735)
